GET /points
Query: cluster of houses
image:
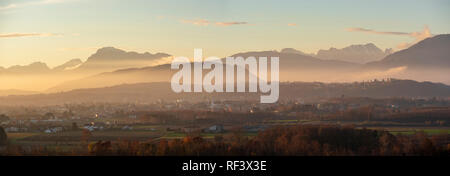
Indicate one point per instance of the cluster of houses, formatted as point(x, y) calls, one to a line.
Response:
point(53, 130)
point(13, 129)
point(16, 129)
point(95, 126)
point(219, 128)
point(99, 126)
point(127, 128)
point(214, 129)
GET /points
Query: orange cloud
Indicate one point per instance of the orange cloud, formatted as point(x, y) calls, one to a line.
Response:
point(13, 35)
point(418, 36)
point(199, 22)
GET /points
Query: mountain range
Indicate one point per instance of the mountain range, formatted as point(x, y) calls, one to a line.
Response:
point(427, 60)
point(104, 60)
point(355, 53)
point(290, 66)
point(359, 54)
point(33, 68)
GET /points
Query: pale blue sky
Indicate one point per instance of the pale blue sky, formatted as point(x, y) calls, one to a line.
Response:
point(54, 31)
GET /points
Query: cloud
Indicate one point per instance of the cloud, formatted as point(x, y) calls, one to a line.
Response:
point(230, 23)
point(203, 22)
point(375, 32)
point(200, 22)
point(40, 2)
point(9, 6)
point(14, 35)
point(418, 36)
point(292, 24)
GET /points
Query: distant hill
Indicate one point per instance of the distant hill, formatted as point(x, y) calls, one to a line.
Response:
point(16, 92)
point(427, 60)
point(372, 89)
point(33, 68)
point(354, 53)
point(294, 51)
point(161, 73)
point(430, 53)
point(310, 91)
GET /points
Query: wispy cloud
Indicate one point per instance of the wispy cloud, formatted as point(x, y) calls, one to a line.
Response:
point(9, 6)
point(418, 36)
point(199, 22)
point(13, 35)
point(31, 3)
point(292, 24)
point(229, 23)
point(203, 22)
point(375, 32)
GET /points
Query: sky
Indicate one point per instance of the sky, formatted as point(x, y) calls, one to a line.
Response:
point(55, 31)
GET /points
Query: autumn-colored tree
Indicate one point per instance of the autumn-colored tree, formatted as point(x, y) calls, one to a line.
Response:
point(387, 142)
point(3, 136)
point(162, 147)
point(100, 148)
point(75, 126)
point(3, 118)
point(48, 115)
point(86, 135)
point(311, 140)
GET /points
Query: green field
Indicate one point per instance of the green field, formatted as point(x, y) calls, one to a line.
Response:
point(412, 131)
point(283, 121)
point(178, 135)
point(77, 136)
point(18, 136)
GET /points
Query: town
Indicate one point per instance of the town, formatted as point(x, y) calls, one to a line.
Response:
point(67, 126)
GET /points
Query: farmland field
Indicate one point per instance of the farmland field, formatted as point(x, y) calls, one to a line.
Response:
point(412, 131)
